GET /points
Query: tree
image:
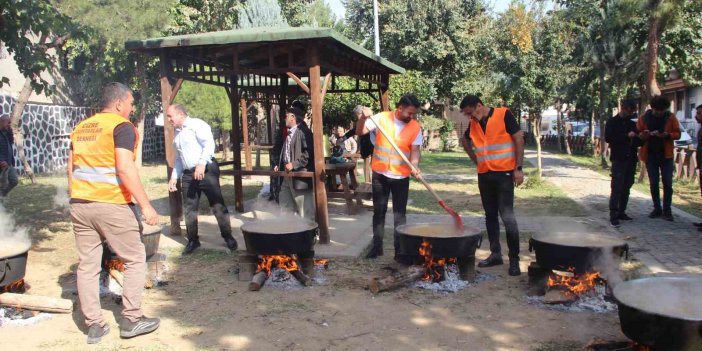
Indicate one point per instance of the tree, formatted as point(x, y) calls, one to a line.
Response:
point(29, 31)
point(197, 16)
point(261, 13)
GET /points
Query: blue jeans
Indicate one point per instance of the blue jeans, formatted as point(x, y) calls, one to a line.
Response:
point(660, 168)
point(12, 181)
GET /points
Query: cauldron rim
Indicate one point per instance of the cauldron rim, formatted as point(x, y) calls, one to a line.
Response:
point(466, 233)
point(553, 239)
point(18, 252)
point(637, 284)
point(245, 228)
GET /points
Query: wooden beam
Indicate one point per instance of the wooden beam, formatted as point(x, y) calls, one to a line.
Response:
point(326, 84)
point(299, 82)
point(245, 133)
point(175, 199)
point(318, 133)
point(176, 89)
point(236, 140)
point(384, 96)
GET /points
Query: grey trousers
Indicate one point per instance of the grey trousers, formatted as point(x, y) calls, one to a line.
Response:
point(298, 201)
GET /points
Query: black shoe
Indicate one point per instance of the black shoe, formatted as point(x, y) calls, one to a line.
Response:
point(403, 260)
point(657, 212)
point(375, 250)
point(96, 332)
point(492, 260)
point(514, 268)
point(192, 245)
point(697, 224)
point(614, 222)
point(142, 326)
point(231, 243)
point(624, 217)
point(668, 216)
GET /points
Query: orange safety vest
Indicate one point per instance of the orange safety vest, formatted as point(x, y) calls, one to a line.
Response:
point(94, 164)
point(385, 158)
point(494, 148)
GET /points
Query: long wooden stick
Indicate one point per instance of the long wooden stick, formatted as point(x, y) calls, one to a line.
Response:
point(457, 219)
point(36, 303)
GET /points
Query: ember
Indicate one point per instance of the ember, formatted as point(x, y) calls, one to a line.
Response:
point(598, 344)
point(115, 264)
point(434, 270)
point(16, 287)
point(573, 285)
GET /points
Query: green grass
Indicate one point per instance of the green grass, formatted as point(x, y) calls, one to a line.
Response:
point(534, 197)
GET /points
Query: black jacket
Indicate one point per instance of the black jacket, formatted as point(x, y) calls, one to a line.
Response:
point(364, 143)
point(302, 149)
point(616, 134)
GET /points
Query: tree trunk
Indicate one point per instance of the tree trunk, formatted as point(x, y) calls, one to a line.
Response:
point(567, 142)
point(559, 125)
point(225, 144)
point(17, 110)
point(142, 110)
point(603, 104)
point(535, 124)
point(654, 23)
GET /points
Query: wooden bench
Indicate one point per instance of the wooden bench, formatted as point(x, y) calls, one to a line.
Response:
point(364, 191)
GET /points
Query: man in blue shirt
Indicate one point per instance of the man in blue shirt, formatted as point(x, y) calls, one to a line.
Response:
point(7, 159)
point(199, 172)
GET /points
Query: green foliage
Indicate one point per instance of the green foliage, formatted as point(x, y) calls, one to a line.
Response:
point(680, 45)
point(207, 102)
point(261, 13)
point(197, 16)
point(28, 29)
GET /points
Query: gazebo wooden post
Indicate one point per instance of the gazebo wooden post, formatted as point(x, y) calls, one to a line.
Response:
point(233, 93)
point(245, 133)
point(282, 101)
point(175, 199)
point(269, 125)
point(384, 96)
point(317, 130)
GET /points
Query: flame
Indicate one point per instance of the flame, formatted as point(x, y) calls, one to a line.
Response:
point(115, 264)
point(321, 262)
point(16, 286)
point(432, 268)
point(638, 347)
point(572, 284)
point(286, 262)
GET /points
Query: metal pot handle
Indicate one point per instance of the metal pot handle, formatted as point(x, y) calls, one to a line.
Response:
point(625, 252)
point(531, 244)
point(3, 269)
point(480, 240)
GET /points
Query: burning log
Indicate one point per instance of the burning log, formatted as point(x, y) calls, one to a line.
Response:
point(36, 303)
point(258, 280)
point(117, 276)
point(301, 277)
point(413, 273)
point(558, 296)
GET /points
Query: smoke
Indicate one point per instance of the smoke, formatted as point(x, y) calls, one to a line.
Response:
point(271, 211)
point(9, 232)
point(608, 266)
point(61, 197)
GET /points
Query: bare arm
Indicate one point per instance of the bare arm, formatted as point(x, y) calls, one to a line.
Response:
point(361, 128)
point(468, 146)
point(69, 170)
point(129, 176)
point(415, 156)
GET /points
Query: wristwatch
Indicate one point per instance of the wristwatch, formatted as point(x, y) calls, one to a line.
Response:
point(519, 167)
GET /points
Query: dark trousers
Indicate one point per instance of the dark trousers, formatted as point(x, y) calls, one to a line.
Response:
point(660, 168)
point(497, 195)
point(192, 189)
point(382, 188)
point(623, 172)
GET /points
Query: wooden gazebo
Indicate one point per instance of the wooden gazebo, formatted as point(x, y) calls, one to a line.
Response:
point(258, 64)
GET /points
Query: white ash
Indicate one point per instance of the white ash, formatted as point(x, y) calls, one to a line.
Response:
point(109, 287)
point(319, 277)
point(593, 301)
point(452, 283)
point(16, 317)
point(282, 280)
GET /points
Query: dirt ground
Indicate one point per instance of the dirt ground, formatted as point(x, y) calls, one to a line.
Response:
point(205, 307)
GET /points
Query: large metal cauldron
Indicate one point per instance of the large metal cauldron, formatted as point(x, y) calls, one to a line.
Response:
point(664, 313)
point(280, 237)
point(583, 252)
point(445, 241)
point(13, 262)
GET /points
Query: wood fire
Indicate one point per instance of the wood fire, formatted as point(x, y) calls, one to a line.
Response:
point(286, 262)
point(572, 284)
point(18, 286)
point(433, 269)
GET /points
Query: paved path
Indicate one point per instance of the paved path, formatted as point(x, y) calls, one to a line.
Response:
point(662, 246)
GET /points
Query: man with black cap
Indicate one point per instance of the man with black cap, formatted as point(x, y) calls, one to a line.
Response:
point(620, 134)
point(297, 155)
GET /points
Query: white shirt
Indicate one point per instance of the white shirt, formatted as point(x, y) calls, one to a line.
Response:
point(194, 145)
point(288, 141)
point(399, 126)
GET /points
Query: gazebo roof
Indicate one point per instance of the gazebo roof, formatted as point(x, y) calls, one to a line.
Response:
point(268, 51)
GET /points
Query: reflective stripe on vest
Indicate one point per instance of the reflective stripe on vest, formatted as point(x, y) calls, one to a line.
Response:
point(494, 147)
point(385, 158)
point(94, 176)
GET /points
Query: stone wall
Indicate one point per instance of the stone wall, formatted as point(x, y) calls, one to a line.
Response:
point(47, 131)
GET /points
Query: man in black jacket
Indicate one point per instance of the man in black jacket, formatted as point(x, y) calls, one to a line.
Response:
point(7, 159)
point(620, 134)
point(297, 155)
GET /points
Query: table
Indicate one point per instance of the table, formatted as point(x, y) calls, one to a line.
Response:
point(344, 171)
